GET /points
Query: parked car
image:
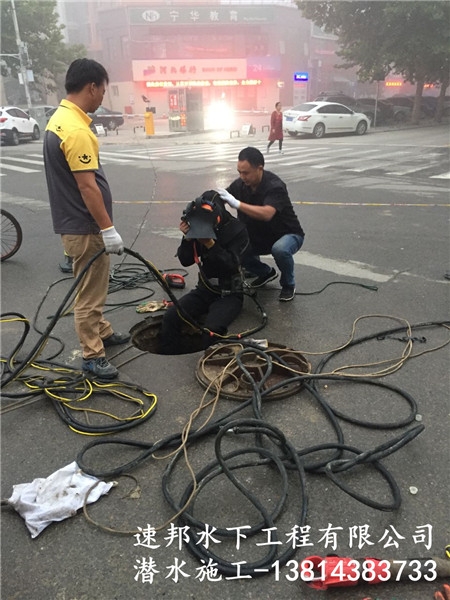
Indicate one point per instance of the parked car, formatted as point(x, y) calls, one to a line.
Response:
point(321, 118)
point(385, 111)
point(16, 125)
point(363, 105)
point(407, 102)
point(46, 109)
point(402, 112)
point(110, 119)
point(430, 103)
point(339, 97)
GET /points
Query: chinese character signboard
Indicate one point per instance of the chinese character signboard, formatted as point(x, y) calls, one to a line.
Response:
point(179, 15)
point(189, 69)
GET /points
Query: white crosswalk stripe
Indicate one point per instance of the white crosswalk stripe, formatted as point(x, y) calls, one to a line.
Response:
point(16, 168)
point(442, 176)
point(318, 159)
point(120, 157)
point(26, 160)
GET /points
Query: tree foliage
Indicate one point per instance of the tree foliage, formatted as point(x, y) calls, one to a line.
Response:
point(408, 38)
point(39, 29)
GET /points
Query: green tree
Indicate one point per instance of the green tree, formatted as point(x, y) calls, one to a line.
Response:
point(409, 38)
point(49, 56)
point(420, 45)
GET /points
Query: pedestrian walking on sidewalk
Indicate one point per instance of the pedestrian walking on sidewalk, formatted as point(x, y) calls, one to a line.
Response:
point(81, 208)
point(276, 128)
point(263, 204)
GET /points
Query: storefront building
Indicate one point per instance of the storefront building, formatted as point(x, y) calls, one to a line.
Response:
point(235, 56)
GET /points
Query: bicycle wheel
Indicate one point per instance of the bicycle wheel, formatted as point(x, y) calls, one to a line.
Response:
point(11, 233)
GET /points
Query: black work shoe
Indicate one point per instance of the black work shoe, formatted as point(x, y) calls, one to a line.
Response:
point(263, 279)
point(100, 367)
point(116, 339)
point(287, 293)
point(66, 266)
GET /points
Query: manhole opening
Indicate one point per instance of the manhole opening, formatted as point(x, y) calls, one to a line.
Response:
point(145, 335)
point(217, 363)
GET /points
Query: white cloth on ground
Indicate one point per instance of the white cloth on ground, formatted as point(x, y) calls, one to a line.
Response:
point(55, 498)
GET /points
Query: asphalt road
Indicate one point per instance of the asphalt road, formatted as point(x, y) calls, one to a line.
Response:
point(376, 227)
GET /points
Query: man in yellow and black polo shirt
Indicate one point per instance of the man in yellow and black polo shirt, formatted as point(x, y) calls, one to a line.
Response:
point(81, 208)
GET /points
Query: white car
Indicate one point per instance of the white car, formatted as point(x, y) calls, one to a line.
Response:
point(16, 125)
point(321, 118)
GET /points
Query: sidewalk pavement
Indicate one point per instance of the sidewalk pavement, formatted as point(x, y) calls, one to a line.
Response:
point(133, 131)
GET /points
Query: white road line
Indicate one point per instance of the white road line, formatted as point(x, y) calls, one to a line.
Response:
point(128, 155)
point(309, 158)
point(349, 268)
point(24, 201)
point(294, 163)
point(24, 160)
point(442, 176)
point(211, 153)
point(20, 169)
point(407, 171)
point(353, 161)
point(111, 159)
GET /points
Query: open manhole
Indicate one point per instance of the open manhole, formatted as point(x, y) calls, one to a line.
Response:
point(145, 336)
point(218, 368)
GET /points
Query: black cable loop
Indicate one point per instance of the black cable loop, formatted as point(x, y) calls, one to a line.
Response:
point(35, 350)
point(281, 455)
point(66, 415)
point(170, 442)
point(195, 324)
point(380, 334)
point(350, 379)
point(16, 349)
point(221, 467)
point(386, 507)
point(257, 394)
point(214, 469)
point(286, 456)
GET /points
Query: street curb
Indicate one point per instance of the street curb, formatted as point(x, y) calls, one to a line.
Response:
point(129, 136)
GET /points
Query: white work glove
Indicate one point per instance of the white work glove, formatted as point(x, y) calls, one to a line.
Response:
point(229, 198)
point(112, 240)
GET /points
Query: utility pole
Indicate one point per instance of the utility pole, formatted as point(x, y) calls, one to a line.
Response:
point(22, 54)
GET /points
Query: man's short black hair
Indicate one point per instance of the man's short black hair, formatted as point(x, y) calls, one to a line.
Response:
point(83, 71)
point(252, 155)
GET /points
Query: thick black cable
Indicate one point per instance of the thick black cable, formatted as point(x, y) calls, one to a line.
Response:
point(153, 273)
point(175, 440)
point(18, 318)
point(366, 286)
point(320, 367)
point(221, 467)
point(282, 456)
point(37, 347)
point(185, 315)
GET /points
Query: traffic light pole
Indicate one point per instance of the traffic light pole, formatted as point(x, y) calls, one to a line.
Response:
point(20, 47)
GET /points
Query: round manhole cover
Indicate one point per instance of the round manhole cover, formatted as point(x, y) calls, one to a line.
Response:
point(219, 369)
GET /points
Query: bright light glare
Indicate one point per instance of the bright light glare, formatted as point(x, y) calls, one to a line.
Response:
point(218, 115)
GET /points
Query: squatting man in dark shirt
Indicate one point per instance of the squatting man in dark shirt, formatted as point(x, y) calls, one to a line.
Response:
point(263, 204)
point(214, 240)
point(81, 207)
